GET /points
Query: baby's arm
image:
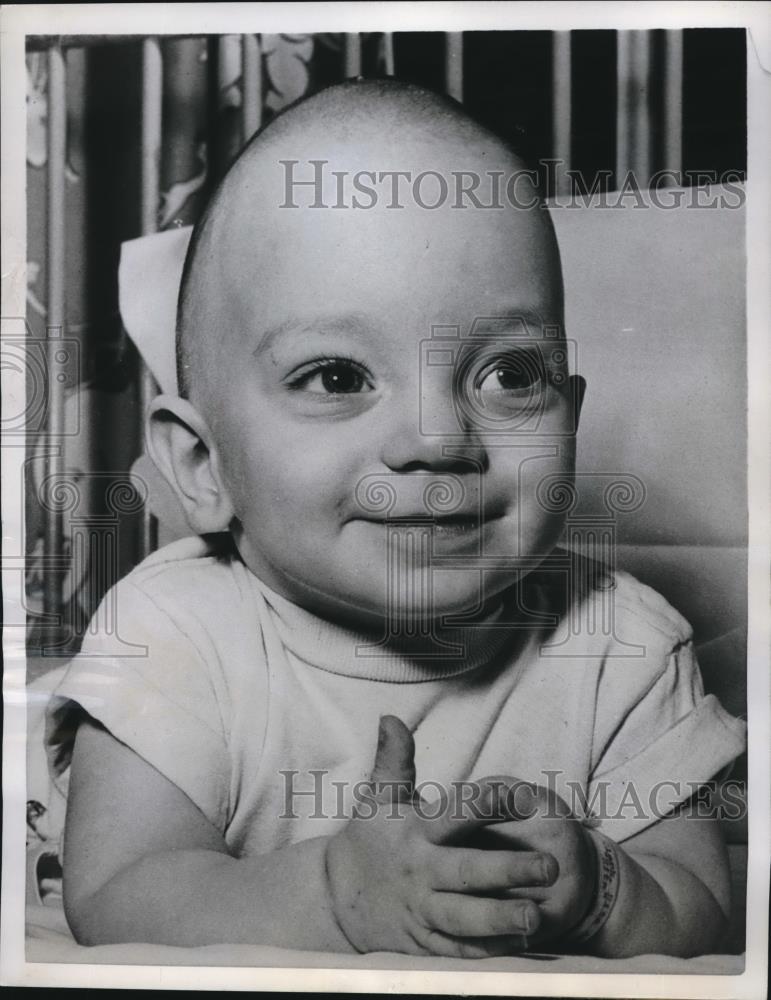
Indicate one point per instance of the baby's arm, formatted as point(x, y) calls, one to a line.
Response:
point(142, 863)
point(674, 893)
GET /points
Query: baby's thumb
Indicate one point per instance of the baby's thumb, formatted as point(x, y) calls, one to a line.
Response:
point(395, 756)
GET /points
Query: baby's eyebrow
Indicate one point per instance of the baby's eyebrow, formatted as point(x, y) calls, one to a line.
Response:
point(352, 324)
point(516, 322)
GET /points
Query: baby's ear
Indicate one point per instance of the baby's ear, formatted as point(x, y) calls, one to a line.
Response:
point(180, 444)
point(577, 392)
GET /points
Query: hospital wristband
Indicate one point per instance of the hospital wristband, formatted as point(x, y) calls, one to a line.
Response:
point(606, 891)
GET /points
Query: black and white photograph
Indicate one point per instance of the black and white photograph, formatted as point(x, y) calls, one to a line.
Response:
point(386, 497)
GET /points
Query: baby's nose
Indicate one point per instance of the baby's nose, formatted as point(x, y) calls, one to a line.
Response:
point(429, 437)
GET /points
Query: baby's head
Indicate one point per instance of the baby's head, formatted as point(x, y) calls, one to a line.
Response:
point(375, 395)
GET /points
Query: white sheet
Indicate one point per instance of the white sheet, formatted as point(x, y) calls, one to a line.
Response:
point(48, 940)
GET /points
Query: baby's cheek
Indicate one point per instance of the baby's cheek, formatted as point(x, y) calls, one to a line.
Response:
point(541, 479)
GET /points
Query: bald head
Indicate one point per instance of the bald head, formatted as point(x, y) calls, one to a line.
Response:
point(340, 186)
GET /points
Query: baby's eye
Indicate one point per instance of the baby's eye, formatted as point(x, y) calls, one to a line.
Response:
point(516, 373)
point(332, 377)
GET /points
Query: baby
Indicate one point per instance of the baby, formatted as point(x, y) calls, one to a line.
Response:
point(353, 712)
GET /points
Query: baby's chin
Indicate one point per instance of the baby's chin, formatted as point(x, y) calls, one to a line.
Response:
point(412, 602)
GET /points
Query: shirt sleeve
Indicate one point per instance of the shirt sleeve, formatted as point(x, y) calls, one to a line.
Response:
point(149, 680)
point(671, 739)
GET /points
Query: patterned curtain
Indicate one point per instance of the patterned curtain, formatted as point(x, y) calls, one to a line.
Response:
point(201, 135)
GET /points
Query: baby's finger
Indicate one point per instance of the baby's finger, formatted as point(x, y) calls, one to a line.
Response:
point(522, 800)
point(475, 804)
point(464, 869)
point(473, 916)
point(482, 947)
point(394, 757)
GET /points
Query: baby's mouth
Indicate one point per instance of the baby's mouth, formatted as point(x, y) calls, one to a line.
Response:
point(456, 526)
point(449, 526)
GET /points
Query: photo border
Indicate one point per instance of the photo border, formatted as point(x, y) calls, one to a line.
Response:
point(19, 20)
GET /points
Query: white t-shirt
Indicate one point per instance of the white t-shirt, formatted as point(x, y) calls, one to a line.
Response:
point(267, 716)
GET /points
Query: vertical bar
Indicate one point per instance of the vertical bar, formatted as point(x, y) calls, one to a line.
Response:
point(352, 54)
point(152, 97)
point(152, 108)
point(388, 53)
point(453, 64)
point(633, 106)
point(673, 101)
point(212, 114)
point(183, 147)
point(641, 152)
point(561, 108)
point(229, 63)
point(251, 86)
point(55, 236)
point(623, 113)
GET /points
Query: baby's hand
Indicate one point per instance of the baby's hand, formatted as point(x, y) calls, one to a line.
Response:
point(546, 824)
point(397, 883)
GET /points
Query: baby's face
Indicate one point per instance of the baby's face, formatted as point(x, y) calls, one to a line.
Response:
point(328, 386)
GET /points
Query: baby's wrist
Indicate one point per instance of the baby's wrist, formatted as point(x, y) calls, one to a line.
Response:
point(607, 868)
point(332, 888)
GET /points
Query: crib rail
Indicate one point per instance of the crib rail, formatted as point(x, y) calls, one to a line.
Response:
point(635, 125)
point(56, 321)
point(152, 131)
